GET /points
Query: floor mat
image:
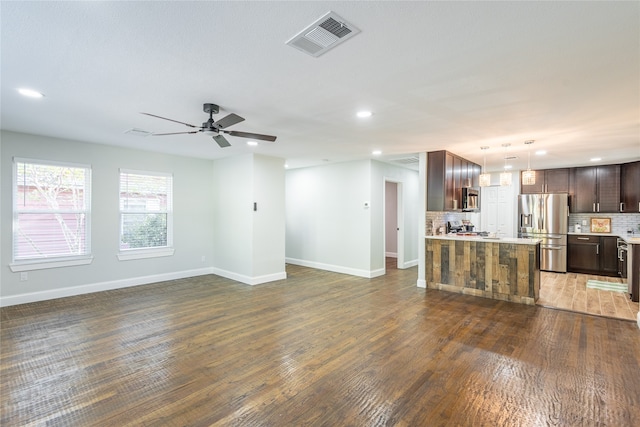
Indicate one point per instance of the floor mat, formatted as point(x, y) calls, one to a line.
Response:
point(607, 286)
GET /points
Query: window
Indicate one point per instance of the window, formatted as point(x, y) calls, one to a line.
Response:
point(51, 214)
point(146, 210)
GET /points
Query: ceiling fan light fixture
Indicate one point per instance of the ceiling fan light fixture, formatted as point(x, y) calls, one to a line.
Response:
point(252, 143)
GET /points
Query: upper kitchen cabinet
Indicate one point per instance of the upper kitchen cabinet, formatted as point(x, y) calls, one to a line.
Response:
point(595, 189)
point(447, 174)
point(548, 181)
point(630, 187)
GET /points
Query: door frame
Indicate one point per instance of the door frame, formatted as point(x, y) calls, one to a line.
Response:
point(399, 218)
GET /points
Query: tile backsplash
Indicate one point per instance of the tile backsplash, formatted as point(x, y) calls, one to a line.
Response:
point(435, 220)
point(620, 223)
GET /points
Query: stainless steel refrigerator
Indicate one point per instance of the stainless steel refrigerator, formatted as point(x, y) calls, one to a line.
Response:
point(546, 217)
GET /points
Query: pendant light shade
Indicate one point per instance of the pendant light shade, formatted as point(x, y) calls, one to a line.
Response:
point(485, 178)
point(528, 176)
point(505, 177)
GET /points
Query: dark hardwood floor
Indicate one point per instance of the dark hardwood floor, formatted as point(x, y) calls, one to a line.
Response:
point(316, 349)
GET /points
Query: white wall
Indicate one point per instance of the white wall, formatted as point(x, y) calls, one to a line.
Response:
point(232, 218)
point(193, 225)
point(409, 238)
point(269, 219)
point(328, 225)
point(249, 245)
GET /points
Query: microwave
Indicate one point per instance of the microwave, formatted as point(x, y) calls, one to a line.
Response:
point(470, 199)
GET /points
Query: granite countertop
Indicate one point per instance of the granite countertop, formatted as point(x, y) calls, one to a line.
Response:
point(471, 238)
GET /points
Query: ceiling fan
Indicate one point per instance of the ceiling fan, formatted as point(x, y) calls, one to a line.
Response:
point(213, 128)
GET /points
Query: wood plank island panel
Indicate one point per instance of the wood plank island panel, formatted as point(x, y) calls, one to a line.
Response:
point(507, 271)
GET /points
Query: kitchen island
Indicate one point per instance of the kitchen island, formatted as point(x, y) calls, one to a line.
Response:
point(506, 268)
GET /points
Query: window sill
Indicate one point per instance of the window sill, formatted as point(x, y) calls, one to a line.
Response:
point(145, 253)
point(44, 264)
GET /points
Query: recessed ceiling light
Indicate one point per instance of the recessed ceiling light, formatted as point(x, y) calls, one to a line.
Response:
point(286, 166)
point(508, 166)
point(376, 152)
point(30, 93)
point(595, 159)
point(541, 153)
point(252, 143)
point(363, 114)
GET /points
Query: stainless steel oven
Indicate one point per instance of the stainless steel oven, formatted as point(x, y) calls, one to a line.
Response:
point(623, 260)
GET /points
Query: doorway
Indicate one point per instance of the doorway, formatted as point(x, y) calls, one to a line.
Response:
point(393, 223)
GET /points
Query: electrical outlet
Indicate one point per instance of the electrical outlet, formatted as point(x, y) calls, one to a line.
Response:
point(202, 259)
point(24, 276)
point(584, 222)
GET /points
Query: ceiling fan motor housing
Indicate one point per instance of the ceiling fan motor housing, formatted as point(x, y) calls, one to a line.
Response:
point(211, 108)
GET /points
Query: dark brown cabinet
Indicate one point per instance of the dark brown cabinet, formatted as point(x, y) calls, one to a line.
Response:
point(630, 187)
point(447, 174)
point(548, 181)
point(595, 189)
point(609, 255)
point(592, 255)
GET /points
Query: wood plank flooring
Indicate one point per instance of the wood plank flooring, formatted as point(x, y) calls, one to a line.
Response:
point(316, 349)
point(569, 292)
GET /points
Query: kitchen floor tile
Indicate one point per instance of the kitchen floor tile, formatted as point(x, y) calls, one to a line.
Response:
point(569, 292)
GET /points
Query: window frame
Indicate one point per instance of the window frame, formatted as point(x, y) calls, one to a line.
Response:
point(39, 263)
point(153, 252)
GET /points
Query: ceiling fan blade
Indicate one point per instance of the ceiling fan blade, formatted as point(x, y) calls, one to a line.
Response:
point(250, 135)
point(173, 133)
point(227, 121)
point(222, 141)
point(171, 120)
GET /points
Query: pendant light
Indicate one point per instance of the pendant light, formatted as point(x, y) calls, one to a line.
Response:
point(528, 176)
point(485, 178)
point(505, 177)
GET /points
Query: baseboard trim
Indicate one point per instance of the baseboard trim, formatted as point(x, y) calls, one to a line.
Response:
point(248, 280)
point(422, 283)
point(369, 274)
point(391, 254)
point(409, 264)
point(98, 287)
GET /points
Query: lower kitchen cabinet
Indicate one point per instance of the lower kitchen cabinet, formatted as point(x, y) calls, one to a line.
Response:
point(609, 255)
point(592, 255)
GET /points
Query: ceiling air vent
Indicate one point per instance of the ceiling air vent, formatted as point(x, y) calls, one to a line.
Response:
point(323, 35)
point(406, 160)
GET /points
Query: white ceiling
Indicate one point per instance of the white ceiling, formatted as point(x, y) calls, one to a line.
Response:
point(437, 75)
